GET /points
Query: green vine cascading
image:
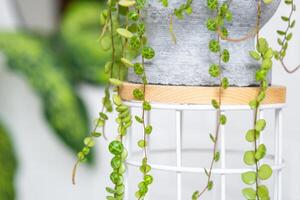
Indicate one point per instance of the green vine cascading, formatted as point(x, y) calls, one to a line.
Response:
point(124, 23)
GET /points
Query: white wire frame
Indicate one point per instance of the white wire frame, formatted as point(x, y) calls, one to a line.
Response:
point(223, 171)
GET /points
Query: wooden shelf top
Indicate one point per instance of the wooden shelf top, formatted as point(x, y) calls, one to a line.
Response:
point(203, 95)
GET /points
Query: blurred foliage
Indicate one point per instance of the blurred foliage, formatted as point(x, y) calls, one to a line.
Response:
point(63, 109)
point(8, 165)
point(80, 31)
point(53, 65)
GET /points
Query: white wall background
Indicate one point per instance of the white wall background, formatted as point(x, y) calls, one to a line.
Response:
point(45, 163)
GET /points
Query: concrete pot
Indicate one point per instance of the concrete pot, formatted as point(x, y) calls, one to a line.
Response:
point(188, 61)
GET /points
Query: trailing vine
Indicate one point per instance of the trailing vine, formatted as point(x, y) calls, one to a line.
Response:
point(262, 172)
point(124, 25)
point(286, 35)
point(133, 39)
point(140, 94)
point(222, 13)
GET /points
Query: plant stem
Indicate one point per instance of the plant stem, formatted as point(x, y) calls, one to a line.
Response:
point(256, 110)
point(281, 59)
point(217, 128)
point(112, 43)
point(255, 150)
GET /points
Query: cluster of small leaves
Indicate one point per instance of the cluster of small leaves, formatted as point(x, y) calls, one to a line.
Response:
point(224, 14)
point(145, 168)
point(264, 54)
point(124, 118)
point(89, 142)
point(185, 8)
point(286, 35)
point(116, 147)
point(139, 94)
point(134, 33)
point(252, 158)
point(117, 163)
point(214, 24)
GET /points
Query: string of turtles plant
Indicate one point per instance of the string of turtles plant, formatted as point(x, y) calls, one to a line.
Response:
point(124, 24)
point(132, 36)
point(264, 54)
point(262, 172)
point(140, 94)
point(286, 35)
point(222, 14)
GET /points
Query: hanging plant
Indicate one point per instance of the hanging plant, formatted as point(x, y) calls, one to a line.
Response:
point(126, 24)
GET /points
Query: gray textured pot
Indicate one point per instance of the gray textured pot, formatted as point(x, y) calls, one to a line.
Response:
point(188, 61)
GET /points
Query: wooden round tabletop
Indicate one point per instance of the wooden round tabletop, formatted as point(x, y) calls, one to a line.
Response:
point(203, 95)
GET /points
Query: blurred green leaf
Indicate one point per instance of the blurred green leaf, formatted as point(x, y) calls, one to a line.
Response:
point(8, 166)
point(80, 32)
point(63, 109)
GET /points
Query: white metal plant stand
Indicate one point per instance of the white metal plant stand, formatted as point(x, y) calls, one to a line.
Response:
point(223, 171)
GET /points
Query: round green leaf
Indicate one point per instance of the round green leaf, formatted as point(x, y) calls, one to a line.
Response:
point(145, 168)
point(117, 100)
point(141, 143)
point(122, 169)
point(212, 4)
point(225, 83)
point(195, 195)
point(148, 53)
point(110, 190)
point(120, 189)
point(116, 147)
point(252, 135)
point(148, 129)
point(267, 64)
point(263, 192)
point(89, 141)
point(249, 193)
point(254, 55)
point(262, 45)
point(210, 185)
point(138, 94)
point(148, 179)
point(214, 46)
point(211, 24)
point(214, 70)
point(116, 162)
point(138, 69)
point(260, 125)
point(223, 119)
point(249, 158)
point(146, 106)
point(225, 55)
point(269, 54)
point(265, 172)
point(261, 152)
point(249, 178)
